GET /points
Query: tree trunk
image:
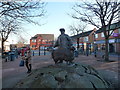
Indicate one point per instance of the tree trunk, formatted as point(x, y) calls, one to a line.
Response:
point(106, 49)
point(2, 47)
point(77, 43)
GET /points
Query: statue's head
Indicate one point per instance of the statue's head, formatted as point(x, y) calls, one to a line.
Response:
point(62, 30)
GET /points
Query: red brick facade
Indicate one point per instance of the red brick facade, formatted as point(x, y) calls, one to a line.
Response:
point(97, 37)
point(41, 40)
point(113, 41)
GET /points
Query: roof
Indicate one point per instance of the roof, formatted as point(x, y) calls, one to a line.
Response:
point(82, 34)
point(33, 37)
point(44, 36)
point(112, 27)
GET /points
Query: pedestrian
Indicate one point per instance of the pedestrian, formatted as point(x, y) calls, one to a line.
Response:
point(87, 50)
point(16, 53)
point(95, 50)
point(28, 60)
point(76, 53)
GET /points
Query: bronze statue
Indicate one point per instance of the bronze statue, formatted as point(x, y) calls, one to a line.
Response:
point(65, 49)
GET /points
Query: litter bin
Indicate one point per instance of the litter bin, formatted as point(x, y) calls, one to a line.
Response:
point(12, 56)
point(9, 56)
point(5, 56)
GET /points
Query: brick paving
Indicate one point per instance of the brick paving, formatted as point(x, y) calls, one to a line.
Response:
point(12, 73)
point(98, 63)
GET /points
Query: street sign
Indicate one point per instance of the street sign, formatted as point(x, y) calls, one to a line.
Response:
point(116, 34)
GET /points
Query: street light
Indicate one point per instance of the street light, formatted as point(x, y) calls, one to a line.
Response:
point(95, 47)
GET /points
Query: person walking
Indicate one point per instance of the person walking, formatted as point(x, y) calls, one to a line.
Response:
point(87, 50)
point(26, 56)
point(28, 60)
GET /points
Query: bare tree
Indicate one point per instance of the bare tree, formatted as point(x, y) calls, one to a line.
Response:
point(21, 41)
point(6, 27)
point(100, 14)
point(24, 11)
point(80, 28)
point(18, 12)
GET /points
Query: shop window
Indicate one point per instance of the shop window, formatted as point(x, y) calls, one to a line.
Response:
point(33, 40)
point(33, 46)
point(119, 30)
point(96, 35)
point(102, 34)
point(85, 38)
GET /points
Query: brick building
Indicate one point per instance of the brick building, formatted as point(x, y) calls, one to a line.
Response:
point(85, 38)
point(114, 39)
point(94, 36)
point(41, 40)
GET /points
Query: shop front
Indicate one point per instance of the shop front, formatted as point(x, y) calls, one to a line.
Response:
point(113, 45)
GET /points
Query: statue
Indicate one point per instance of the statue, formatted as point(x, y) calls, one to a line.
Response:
point(65, 49)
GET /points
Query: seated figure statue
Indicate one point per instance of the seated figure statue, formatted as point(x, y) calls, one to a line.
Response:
point(65, 49)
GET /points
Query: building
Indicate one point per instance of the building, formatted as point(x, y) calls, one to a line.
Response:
point(96, 37)
point(114, 39)
point(7, 46)
point(41, 41)
point(85, 38)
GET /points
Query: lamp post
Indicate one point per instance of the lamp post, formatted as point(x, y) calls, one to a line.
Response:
point(39, 49)
point(44, 50)
point(95, 47)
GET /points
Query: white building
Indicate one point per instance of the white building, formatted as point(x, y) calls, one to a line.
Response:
point(7, 46)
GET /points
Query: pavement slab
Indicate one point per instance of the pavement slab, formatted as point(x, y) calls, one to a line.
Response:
point(12, 73)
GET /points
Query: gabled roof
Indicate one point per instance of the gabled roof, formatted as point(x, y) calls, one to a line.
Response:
point(82, 34)
point(44, 36)
point(112, 27)
point(33, 37)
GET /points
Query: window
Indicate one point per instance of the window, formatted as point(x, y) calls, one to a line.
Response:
point(33, 45)
point(96, 35)
point(119, 30)
point(111, 32)
point(102, 34)
point(39, 40)
point(33, 40)
point(85, 38)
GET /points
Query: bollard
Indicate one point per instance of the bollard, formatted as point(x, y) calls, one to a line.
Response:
point(33, 53)
point(39, 52)
point(44, 52)
point(95, 54)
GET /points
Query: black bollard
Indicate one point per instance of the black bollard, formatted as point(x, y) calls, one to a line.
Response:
point(44, 51)
point(39, 51)
point(33, 53)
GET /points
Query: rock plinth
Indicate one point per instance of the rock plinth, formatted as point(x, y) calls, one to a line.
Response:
point(64, 76)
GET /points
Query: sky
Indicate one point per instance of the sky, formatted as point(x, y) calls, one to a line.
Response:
point(57, 17)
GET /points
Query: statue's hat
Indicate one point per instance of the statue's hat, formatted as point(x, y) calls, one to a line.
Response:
point(62, 29)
